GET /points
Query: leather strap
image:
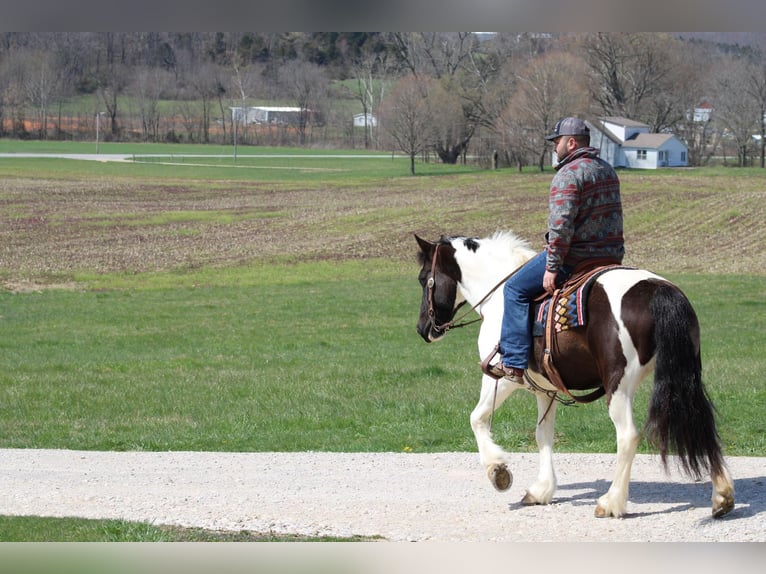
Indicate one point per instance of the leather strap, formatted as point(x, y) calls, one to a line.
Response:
point(579, 277)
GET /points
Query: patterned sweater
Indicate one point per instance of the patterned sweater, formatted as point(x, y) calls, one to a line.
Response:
point(585, 217)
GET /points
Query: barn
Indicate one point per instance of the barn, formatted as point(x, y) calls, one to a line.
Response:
point(281, 115)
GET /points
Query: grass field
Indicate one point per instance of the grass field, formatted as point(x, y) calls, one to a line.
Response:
point(271, 304)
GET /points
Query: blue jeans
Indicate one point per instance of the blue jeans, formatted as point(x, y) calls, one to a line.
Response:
point(519, 291)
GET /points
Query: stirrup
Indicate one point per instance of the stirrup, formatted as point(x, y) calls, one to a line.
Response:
point(499, 370)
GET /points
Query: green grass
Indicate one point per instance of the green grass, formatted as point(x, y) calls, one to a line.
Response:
point(43, 529)
point(279, 169)
point(37, 529)
point(305, 362)
point(732, 314)
point(221, 368)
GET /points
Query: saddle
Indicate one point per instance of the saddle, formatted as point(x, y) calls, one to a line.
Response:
point(563, 310)
point(566, 309)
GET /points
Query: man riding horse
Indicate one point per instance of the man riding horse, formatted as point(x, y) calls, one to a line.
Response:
point(584, 224)
point(637, 323)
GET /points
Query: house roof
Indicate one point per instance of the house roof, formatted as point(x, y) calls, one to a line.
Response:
point(599, 125)
point(650, 141)
point(625, 122)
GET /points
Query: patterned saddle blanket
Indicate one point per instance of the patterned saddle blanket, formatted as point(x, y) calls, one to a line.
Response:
point(570, 307)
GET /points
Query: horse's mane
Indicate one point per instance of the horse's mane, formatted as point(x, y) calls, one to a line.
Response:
point(508, 239)
point(500, 243)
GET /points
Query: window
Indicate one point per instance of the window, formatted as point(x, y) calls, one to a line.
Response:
point(641, 154)
point(683, 156)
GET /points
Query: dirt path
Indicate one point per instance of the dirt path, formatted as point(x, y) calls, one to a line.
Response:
point(398, 496)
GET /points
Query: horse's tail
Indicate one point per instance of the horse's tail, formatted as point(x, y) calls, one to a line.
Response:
point(681, 417)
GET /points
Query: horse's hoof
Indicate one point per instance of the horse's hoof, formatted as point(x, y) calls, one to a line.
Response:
point(603, 511)
point(529, 500)
point(500, 477)
point(723, 509)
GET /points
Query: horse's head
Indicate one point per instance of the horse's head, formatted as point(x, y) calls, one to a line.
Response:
point(439, 276)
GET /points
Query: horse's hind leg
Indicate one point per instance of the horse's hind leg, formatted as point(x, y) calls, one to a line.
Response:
point(491, 455)
point(615, 501)
point(723, 493)
point(541, 492)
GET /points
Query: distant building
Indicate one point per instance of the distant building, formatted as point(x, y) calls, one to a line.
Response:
point(627, 143)
point(702, 112)
point(359, 120)
point(282, 115)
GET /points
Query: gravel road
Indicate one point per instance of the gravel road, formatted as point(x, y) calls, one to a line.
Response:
point(397, 496)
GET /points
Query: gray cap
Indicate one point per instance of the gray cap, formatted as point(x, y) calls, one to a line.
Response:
point(569, 127)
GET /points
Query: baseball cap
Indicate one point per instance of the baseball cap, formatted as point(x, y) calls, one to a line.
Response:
point(569, 127)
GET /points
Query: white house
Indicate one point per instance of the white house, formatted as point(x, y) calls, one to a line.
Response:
point(359, 120)
point(627, 143)
point(702, 112)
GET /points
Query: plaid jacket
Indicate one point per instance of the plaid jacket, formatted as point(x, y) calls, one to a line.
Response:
point(585, 214)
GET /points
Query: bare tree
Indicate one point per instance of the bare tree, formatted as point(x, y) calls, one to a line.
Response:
point(407, 117)
point(735, 109)
point(632, 75)
point(28, 83)
point(147, 87)
point(452, 58)
point(187, 110)
point(207, 86)
point(11, 93)
point(755, 87)
point(244, 82)
point(307, 85)
point(368, 69)
point(405, 47)
point(693, 91)
point(651, 77)
point(446, 52)
point(40, 86)
point(451, 130)
point(112, 82)
point(545, 93)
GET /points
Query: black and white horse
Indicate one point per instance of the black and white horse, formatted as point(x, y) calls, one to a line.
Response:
point(637, 323)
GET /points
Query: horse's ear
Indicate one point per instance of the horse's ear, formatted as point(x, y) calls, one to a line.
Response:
point(425, 246)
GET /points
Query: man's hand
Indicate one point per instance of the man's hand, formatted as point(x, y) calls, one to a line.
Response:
point(549, 281)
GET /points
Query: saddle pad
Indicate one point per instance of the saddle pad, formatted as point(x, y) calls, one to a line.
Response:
point(570, 309)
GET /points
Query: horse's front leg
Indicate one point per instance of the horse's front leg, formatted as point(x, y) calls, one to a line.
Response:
point(541, 492)
point(491, 455)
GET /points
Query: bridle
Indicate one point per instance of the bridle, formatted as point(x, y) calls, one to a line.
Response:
point(453, 323)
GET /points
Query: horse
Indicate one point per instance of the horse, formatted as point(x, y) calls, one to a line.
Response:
point(637, 323)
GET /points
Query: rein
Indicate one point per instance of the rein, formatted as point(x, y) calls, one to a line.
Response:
point(453, 323)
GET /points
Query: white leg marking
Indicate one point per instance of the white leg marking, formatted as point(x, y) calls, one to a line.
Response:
point(541, 492)
point(490, 453)
point(615, 501)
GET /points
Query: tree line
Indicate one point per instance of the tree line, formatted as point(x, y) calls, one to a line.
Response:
point(432, 94)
